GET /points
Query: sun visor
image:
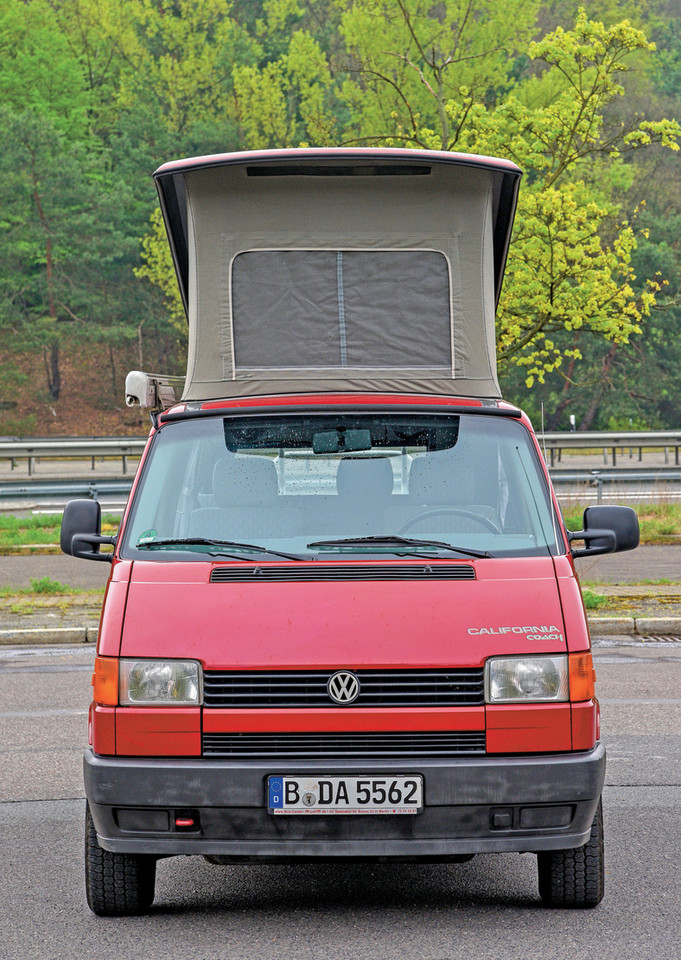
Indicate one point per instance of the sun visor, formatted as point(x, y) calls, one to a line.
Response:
point(332, 270)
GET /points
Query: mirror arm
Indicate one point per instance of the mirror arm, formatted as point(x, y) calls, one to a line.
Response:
point(92, 538)
point(588, 535)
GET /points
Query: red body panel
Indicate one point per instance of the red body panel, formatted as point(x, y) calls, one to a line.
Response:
point(343, 399)
point(158, 731)
point(574, 613)
point(103, 723)
point(584, 724)
point(337, 719)
point(113, 609)
point(173, 611)
point(529, 728)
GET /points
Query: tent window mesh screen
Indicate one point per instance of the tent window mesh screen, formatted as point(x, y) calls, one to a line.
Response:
point(359, 309)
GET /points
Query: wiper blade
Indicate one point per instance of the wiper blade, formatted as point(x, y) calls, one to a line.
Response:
point(205, 541)
point(396, 541)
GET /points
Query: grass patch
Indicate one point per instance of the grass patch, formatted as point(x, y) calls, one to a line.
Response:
point(656, 583)
point(594, 601)
point(659, 522)
point(23, 608)
point(42, 529)
point(45, 587)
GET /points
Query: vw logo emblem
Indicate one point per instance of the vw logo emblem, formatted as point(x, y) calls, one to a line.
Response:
point(343, 687)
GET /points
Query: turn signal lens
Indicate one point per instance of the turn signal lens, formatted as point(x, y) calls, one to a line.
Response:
point(582, 676)
point(105, 681)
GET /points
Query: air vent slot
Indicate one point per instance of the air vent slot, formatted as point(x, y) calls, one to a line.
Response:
point(326, 572)
point(324, 746)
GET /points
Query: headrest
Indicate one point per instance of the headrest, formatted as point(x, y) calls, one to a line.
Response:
point(245, 482)
point(364, 477)
point(436, 480)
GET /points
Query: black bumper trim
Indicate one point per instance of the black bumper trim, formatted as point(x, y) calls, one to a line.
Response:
point(461, 796)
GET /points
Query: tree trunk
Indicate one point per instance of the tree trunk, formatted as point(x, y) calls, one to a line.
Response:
point(553, 422)
point(590, 415)
point(52, 370)
point(112, 362)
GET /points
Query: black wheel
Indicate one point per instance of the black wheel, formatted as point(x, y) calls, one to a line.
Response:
point(117, 884)
point(574, 878)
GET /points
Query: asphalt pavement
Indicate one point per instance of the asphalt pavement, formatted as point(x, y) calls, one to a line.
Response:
point(487, 908)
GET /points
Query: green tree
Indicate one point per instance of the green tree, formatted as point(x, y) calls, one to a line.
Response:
point(570, 265)
point(285, 98)
point(39, 74)
point(64, 252)
point(410, 59)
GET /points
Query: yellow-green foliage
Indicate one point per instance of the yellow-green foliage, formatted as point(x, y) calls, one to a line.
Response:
point(157, 267)
point(570, 262)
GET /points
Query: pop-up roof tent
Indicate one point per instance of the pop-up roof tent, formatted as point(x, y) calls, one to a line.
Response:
point(306, 271)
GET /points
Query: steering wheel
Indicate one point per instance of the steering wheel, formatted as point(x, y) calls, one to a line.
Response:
point(459, 511)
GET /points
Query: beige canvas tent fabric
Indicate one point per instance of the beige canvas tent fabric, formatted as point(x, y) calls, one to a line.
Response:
point(309, 272)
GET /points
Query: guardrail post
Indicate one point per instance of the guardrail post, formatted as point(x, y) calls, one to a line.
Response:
point(598, 484)
point(666, 454)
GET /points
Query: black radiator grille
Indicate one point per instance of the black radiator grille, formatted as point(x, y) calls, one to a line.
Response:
point(328, 572)
point(323, 746)
point(378, 688)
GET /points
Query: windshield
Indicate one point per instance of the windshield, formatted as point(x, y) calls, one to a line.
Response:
point(311, 486)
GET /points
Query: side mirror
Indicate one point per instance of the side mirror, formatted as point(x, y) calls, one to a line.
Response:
point(607, 530)
point(81, 530)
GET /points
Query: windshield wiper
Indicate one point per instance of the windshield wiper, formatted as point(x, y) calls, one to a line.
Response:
point(396, 541)
point(205, 541)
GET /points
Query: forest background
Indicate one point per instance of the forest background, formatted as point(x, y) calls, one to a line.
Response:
point(95, 94)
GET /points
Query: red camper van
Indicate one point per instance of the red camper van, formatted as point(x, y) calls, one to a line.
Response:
point(342, 619)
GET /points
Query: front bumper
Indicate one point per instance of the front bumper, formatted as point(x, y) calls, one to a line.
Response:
point(486, 804)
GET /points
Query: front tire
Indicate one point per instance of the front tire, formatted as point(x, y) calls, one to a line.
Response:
point(575, 878)
point(117, 884)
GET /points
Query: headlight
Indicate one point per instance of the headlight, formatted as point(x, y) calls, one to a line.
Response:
point(538, 679)
point(169, 682)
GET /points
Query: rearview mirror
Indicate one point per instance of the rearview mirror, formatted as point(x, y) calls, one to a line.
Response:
point(341, 441)
point(80, 530)
point(607, 530)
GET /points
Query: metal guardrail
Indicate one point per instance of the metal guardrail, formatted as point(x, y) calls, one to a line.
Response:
point(13, 490)
point(596, 479)
point(90, 448)
point(609, 440)
point(73, 448)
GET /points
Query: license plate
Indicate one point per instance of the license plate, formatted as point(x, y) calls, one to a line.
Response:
point(346, 795)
